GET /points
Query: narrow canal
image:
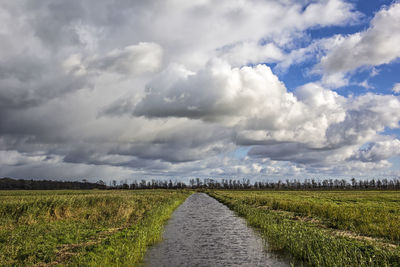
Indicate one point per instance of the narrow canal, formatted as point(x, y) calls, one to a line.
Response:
point(204, 232)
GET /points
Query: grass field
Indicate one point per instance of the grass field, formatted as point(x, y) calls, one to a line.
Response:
point(324, 228)
point(94, 227)
point(115, 227)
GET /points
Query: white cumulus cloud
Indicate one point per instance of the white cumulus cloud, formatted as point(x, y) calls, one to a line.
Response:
point(375, 46)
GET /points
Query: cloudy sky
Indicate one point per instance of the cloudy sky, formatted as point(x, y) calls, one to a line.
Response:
point(204, 88)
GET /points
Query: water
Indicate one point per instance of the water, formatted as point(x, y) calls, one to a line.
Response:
point(204, 232)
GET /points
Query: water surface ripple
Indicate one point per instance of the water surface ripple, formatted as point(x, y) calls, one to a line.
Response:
point(204, 232)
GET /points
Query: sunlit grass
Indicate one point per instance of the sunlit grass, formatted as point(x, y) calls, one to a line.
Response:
point(85, 227)
point(308, 224)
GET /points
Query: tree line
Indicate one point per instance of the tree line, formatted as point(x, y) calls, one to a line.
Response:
point(306, 184)
point(197, 183)
point(21, 184)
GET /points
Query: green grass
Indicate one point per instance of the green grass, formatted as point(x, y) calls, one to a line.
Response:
point(86, 227)
point(319, 228)
point(114, 228)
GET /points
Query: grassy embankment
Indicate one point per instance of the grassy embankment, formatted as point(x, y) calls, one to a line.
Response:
point(320, 228)
point(99, 228)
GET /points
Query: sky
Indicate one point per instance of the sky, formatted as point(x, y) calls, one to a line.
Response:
point(176, 89)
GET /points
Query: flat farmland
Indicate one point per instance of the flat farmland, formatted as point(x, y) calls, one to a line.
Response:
point(324, 228)
point(116, 227)
point(45, 228)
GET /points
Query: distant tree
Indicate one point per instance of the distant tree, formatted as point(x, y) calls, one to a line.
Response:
point(100, 182)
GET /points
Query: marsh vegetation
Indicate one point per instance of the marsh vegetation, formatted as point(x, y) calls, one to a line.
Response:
point(87, 227)
point(115, 227)
point(324, 228)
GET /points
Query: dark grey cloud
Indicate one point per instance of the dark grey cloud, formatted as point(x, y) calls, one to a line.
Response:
point(365, 116)
point(378, 151)
point(27, 81)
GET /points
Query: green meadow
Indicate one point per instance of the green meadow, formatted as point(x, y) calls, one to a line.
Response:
point(324, 228)
point(115, 227)
point(100, 228)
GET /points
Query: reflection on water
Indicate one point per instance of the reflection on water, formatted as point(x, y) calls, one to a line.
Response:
point(204, 232)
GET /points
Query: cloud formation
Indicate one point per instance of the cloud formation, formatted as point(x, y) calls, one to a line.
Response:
point(396, 88)
point(375, 46)
point(133, 89)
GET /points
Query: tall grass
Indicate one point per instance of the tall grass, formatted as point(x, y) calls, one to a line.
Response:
point(68, 227)
point(314, 243)
point(371, 213)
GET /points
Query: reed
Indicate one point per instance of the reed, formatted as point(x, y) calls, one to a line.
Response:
point(89, 227)
point(308, 225)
